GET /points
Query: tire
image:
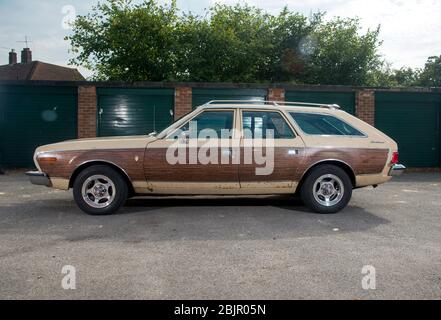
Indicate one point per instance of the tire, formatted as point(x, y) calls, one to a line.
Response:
point(100, 190)
point(327, 182)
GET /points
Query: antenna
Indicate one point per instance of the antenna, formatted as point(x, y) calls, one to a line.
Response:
point(26, 41)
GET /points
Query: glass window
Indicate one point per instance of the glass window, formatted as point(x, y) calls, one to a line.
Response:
point(256, 124)
point(219, 121)
point(321, 124)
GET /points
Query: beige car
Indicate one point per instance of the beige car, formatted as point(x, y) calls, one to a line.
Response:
point(227, 148)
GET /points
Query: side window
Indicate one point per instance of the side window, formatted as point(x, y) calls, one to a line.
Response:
point(219, 121)
point(256, 124)
point(321, 124)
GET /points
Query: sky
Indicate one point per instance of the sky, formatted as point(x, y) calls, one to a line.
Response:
point(410, 29)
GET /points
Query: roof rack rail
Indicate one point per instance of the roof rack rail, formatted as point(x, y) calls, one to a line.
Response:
point(276, 103)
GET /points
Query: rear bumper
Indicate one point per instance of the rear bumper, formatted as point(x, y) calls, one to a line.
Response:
point(396, 170)
point(39, 178)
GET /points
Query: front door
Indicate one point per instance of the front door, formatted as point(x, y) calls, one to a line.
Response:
point(197, 158)
point(271, 153)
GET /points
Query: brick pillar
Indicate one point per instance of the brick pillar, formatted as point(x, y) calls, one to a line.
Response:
point(365, 106)
point(276, 94)
point(87, 112)
point(183, 101)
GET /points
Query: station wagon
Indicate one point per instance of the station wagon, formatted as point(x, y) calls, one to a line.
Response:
point(317, 151)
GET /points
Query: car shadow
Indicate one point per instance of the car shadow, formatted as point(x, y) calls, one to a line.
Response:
point(185, 218)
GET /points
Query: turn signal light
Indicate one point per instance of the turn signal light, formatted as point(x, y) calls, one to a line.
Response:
point(47, 159)
point(394, 158)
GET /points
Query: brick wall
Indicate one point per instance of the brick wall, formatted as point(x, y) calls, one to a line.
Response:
point(276, 94)
point(183, 101)
point(87, 112)
point(365, 106)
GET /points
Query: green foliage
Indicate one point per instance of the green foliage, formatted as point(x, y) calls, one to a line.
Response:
point(119, 40)
point(431, 75)
point(231, 45)
point(385, 76)
point(343, 56)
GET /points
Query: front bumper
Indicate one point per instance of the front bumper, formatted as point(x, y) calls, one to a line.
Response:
point(396, 170)
point(39, 178)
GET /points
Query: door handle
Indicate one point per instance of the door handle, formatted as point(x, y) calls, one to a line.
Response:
point(293, 152)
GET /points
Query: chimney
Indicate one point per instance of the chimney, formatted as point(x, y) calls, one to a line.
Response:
point(12, 57)
point(26, 55)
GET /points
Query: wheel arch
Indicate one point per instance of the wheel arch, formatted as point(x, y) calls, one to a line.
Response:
point(341, 164)
point(91, 163)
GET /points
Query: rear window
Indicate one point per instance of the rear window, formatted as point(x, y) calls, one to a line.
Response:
point(322, 124)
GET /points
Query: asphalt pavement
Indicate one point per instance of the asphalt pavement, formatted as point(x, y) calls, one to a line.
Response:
point(223, 247)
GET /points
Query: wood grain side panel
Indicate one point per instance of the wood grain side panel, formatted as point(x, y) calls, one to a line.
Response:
point(285, 166)
point(130, 160)
point(158, 169)
point(362, 161)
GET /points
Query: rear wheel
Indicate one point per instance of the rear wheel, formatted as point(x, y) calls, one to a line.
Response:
point(100, 190)
point(327, 189)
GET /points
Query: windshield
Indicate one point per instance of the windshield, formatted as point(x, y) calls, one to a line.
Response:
point(166, 130)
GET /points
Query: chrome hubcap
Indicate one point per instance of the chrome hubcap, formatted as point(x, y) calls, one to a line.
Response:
point(328, 190)
point(98, 191)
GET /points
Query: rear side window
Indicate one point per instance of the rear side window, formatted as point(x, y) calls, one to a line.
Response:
point(321, 124)
point(257, 123)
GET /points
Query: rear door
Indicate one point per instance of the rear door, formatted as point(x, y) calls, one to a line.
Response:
point(269, 165)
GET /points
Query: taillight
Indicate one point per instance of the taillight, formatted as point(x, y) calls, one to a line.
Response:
point(394, 158)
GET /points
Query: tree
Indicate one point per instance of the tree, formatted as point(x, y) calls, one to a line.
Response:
point(292, 45)
point(431, 75)
point(406, 77)
point(386, 76)
point(119, 40)
point(342, 55)
point(232, 43)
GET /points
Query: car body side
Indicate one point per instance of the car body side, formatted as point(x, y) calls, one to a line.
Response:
point(141, 159)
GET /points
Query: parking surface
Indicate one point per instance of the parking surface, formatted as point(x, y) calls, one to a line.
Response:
point(226, 248)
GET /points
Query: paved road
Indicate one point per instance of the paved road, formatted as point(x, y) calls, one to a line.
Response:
point(228, 248)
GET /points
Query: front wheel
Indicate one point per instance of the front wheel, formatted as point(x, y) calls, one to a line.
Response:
point(327, 189)
point(100, 190)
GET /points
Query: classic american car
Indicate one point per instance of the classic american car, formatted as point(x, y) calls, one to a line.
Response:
point(317, 151)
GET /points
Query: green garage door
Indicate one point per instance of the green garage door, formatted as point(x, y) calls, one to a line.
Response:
point(201, 96)
point(123, 112)
point(412, 120)
point(31, 116)
point(346, 100)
